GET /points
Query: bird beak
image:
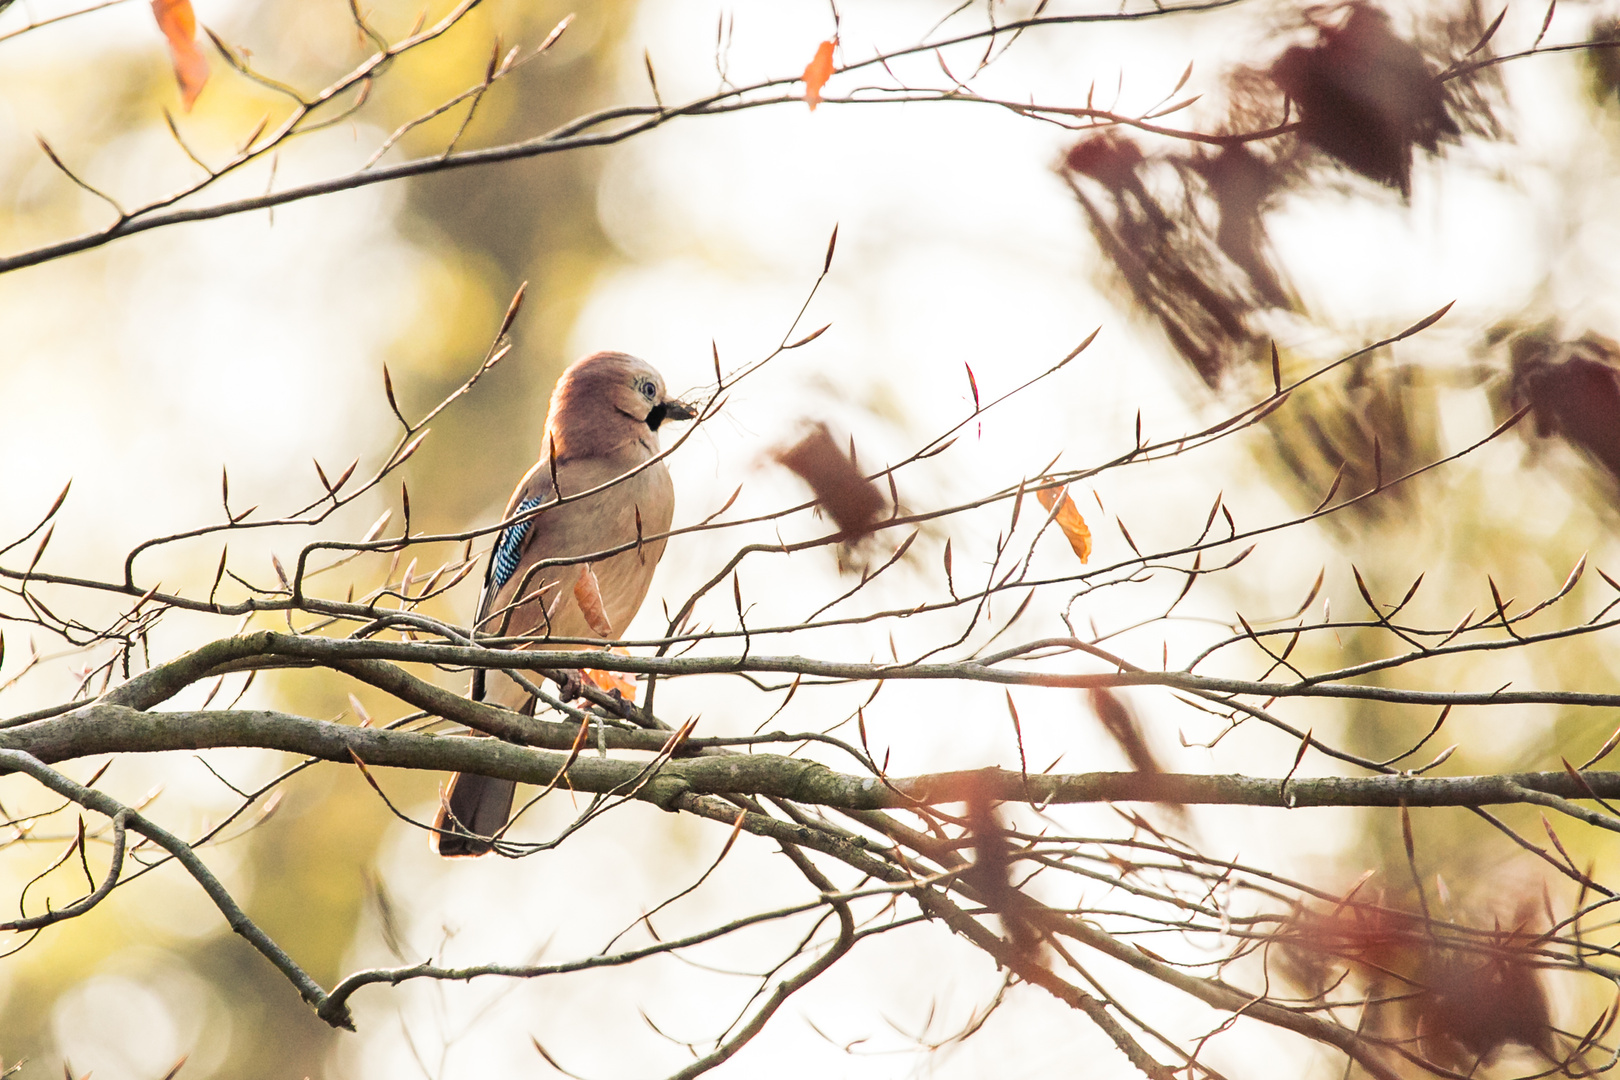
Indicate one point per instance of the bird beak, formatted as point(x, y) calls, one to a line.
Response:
point(678, 410)
point(669, 409)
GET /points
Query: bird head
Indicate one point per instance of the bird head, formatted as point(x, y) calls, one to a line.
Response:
point(607, 401)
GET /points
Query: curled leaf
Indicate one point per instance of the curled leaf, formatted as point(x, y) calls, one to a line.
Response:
point(1068, 519)
point(179, 25)
point(589, 595)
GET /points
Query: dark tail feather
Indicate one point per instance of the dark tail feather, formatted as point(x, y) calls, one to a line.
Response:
point(474, 809)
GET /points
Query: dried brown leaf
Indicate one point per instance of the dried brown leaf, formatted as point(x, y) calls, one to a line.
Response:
point(850, 499)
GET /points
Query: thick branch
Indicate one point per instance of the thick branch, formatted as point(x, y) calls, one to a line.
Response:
point(104, 729)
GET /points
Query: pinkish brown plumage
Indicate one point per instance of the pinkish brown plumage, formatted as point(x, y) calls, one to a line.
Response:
point(601, 432)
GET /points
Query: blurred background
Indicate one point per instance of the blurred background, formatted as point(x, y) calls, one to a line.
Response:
point(968, 236)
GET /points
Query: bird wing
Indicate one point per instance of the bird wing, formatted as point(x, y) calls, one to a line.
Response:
point(521, 599)
point(507, 556)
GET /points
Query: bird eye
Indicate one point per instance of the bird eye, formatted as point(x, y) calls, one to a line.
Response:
point(649, 390)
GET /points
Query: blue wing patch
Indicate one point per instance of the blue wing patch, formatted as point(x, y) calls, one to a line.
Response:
point(509, 547)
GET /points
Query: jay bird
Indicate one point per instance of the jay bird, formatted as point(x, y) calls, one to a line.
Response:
point(602, 425)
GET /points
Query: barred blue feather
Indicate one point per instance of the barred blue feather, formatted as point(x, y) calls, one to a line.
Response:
point(510, 546)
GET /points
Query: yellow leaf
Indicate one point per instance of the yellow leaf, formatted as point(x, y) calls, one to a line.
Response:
point(1068, 519)
point(179, 25)
point(817, 72)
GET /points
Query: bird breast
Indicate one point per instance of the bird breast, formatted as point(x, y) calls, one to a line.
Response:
point(609, 519)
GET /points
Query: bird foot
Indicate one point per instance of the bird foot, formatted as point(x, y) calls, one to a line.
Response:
point(572, 688)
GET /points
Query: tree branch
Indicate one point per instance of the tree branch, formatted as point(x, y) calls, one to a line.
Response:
point(103, 729)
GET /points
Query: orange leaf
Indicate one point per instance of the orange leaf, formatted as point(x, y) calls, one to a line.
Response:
point(817, 72)
point(612, 680)
point(1068, 519)
point(179, 25)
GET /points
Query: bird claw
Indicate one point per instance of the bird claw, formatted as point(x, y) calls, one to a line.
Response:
point(572, 688)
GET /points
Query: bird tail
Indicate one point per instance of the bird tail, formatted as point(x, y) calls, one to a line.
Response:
point(472, 811)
